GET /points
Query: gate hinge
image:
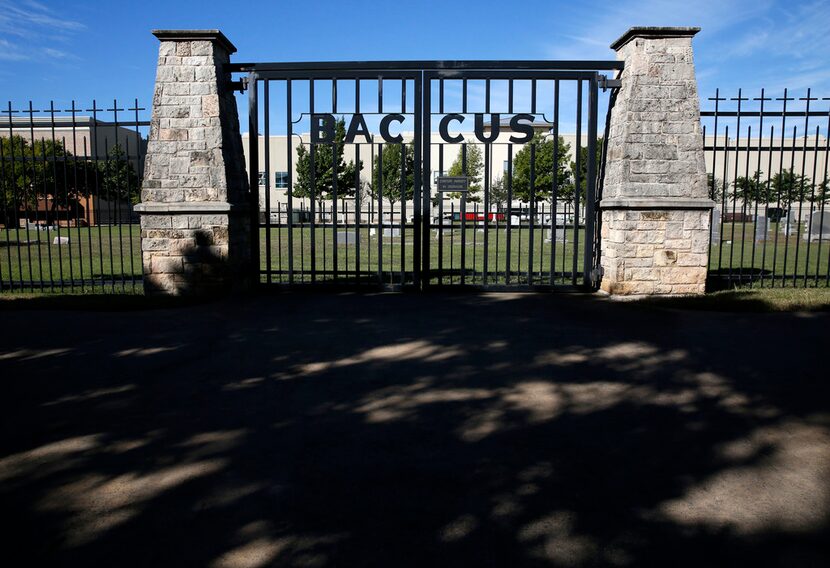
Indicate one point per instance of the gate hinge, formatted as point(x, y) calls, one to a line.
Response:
point(607, 83)
point(597, 274)
point(241, 85)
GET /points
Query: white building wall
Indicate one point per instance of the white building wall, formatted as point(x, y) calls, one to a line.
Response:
point(727, 165)
point(278, 158)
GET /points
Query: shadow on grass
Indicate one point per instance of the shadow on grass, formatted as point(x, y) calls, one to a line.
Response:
point(749, 300)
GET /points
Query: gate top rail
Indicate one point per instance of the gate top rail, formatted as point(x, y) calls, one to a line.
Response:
point(434, 65)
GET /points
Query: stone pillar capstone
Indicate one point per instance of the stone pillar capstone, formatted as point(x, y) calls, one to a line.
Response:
point(655, 207)
point(195, 232)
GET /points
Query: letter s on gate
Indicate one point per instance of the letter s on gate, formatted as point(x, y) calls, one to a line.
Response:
point(517, 126)
point(443, 128)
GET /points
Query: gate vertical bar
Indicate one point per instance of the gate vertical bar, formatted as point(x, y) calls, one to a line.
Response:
point(357, 185)
point(333, 212)
point(486, 240)
point(555, 189)
point(313, 176)
point(267, 159)
point(577, 178)
point(508, 241)
point(290, 209)
point(440, 197)
point(532, 214)
point(403, 189)
point(421, 228)
point(379, 213)
point(590, 183)
point(253, 172)
point(464, 202)
point(379, 191)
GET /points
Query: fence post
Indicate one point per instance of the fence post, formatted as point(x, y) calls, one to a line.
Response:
point(655, 206)
point(195, 231)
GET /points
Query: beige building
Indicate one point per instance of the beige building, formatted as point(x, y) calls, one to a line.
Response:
point(736, 158)
point(87, 139)
point(84, 137)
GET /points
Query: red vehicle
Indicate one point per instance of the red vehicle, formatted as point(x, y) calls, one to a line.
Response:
point(479, 216)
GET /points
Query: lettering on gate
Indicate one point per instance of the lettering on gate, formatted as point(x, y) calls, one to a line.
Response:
point(323, 126)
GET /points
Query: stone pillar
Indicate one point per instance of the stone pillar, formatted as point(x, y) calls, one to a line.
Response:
point(195, 231)
point(655, 206)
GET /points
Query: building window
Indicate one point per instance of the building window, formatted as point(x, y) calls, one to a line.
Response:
point(506, 165)
point(281, 180)
point(261, 178)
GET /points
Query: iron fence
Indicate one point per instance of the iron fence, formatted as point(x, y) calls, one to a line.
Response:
point(767, 162)
point(363, 205)
point(526, 245)
point(69, 178)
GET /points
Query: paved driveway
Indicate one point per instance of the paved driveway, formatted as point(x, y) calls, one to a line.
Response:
point(397, 430)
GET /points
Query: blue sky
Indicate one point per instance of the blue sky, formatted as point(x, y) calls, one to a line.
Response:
point(65, 50)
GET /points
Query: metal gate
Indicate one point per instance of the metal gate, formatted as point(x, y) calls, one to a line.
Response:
point(345, 161)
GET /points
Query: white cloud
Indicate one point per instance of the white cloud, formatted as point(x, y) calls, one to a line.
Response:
point(14, 16)
point(10, 51)
point(29, 29)
point(605, 23)
point(749, 43)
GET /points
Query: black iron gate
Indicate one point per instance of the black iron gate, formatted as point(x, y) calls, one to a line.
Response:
point(345, 161)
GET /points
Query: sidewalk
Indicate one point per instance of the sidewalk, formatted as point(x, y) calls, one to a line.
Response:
point(398, 430)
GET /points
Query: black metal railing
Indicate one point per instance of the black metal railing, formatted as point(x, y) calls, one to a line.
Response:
point(69, 178)
point(767, 162)
point(555, 229)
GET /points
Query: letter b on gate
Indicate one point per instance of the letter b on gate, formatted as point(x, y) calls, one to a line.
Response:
point(322, 129)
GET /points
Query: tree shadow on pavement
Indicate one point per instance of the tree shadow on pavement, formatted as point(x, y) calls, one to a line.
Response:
point(395, 430)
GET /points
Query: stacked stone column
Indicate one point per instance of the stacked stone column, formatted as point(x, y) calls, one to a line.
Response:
point(195, 222)
point(195, 232)
point(655, 206)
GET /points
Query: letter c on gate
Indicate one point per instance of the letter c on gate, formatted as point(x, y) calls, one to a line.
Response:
point(443, 128)
point(384, 128)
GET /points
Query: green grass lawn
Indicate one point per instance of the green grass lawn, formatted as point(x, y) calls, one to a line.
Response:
point(107, 259)
point(750, 300)
point(780, 255)
point(445, 255)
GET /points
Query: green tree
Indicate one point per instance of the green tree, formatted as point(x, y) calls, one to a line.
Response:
point(475, 170)
point(715, 186)
point(117, 178)
point(788, 187)
point(327, 157)
point(821, 193)
point(498, 194)
point(33, 170)
point(388, 168)
point(544, 170)
point(750, 189)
